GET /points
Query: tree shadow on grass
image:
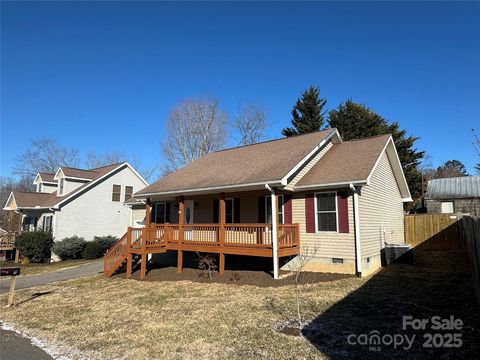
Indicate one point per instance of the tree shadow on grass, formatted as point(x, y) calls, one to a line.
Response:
point(438, 284)
point(33, 297)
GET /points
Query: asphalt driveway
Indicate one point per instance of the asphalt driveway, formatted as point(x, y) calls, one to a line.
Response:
point(24, 282)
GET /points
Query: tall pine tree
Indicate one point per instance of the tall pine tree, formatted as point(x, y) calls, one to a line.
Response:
point(355, 121)
point(307, 115)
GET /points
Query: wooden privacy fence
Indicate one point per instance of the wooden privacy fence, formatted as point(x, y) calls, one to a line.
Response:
point(470, 230)
point(434, 231)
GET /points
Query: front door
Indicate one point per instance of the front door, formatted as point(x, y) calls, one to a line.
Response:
point(188, 219)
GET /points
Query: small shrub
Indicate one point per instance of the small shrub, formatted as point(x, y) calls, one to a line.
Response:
point(35, 245)
point(105, 242)
point(207, 264)
point(70, 248)
point(97, 248)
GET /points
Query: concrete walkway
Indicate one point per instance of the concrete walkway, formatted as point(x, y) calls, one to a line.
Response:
point(24, 282)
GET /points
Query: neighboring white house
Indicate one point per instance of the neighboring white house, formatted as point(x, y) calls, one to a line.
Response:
point(80, 202)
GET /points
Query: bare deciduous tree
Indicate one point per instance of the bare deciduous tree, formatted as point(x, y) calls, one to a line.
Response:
point(94, 160)
point(250, 123)
point(194, 128)
point(45, 154)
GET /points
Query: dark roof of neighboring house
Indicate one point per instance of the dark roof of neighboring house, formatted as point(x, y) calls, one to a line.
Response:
point(32, 199)
point(45, 200)
point(47, 177)
point(85, 174)
point(454, 188)
point(261, 162)
point(348, 161)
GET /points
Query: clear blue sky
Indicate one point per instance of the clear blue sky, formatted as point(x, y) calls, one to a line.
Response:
point(103, 76)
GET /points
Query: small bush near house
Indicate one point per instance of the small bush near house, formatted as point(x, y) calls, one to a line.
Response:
point(35, 245)
point(70, 248)
point(97, 248)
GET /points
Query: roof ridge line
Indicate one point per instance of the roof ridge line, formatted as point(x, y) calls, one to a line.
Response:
point(272, 140)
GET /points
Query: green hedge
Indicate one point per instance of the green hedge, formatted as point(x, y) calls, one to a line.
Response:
point(35, 245)
point(98, 247)
point(70, 248)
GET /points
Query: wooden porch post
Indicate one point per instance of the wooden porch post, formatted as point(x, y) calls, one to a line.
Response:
point(148, 208)
point(221, 267)
point(143, 259)
point(181, 222)
point(129, 254)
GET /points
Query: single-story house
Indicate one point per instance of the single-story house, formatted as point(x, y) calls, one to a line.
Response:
point(454, 195)
point(80, 202)
point(342, 200)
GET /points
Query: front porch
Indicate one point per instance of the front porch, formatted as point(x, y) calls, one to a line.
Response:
point(223, 238)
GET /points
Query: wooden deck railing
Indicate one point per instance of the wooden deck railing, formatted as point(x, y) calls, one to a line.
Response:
point(157, 236)
point(116, 254)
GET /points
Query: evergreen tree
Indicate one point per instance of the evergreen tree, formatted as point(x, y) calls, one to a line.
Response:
point(451, 168)
point(307, 115)
point(355, 121)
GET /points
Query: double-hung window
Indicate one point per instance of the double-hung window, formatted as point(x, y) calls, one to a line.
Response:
point(116, 192)
point(128, 192)
point(326, 211)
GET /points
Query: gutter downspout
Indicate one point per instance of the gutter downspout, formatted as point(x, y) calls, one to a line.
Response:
point(274, 231)
point(356, 222)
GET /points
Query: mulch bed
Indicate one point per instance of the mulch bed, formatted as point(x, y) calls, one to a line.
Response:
point(235, 277)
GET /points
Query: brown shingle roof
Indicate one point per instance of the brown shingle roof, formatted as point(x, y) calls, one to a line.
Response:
point(261, 162)
point(347, 161)
point(47, 177)
point(32, 199)
point(78, 173)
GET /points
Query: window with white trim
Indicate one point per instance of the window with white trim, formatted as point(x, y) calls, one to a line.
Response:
point(447, 207)
point(47, 223)
point(116, 192)
point(326, 211)
point(128, 192)
point(61, 186)
point(268, 209)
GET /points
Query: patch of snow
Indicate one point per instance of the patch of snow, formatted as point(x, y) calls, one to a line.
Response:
point(48, 348)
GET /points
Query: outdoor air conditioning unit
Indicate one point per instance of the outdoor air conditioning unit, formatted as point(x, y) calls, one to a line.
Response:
point(398, 253)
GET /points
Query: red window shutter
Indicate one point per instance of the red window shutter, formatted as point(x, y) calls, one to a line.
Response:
point(342, 206)
point(309, 213)
point(287, 209)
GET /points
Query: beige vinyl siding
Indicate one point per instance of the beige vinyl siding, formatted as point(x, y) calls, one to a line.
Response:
point(203, 210)
point(138, 216)
point(328, 245)
point(310, 164)
point(381, 210)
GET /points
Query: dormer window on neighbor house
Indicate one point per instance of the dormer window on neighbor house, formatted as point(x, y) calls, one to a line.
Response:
point(61, 186)
point(39, 187)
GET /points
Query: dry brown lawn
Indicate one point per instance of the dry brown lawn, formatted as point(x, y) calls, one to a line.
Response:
point(97, 318)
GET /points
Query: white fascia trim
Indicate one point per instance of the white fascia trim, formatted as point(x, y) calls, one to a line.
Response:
point(55, 177)
point(378, 160)
point(88, 186)
point(8, 200)
point(398, 163)
point(407, 199)
point(259, 185)
point(136, 173)
point(77, 178)
point(302, 162)
point(35, 181)
point(330, 185)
